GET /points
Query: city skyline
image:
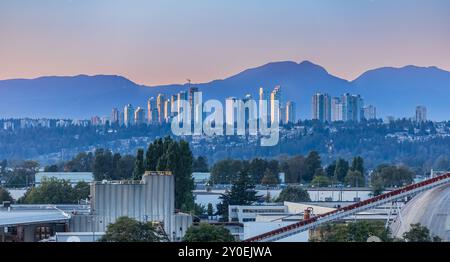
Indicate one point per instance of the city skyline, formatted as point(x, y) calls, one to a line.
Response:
point(200, 43)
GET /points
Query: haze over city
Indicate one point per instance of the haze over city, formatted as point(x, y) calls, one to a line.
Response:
point(165, 42)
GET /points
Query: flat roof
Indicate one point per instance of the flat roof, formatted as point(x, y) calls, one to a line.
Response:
point(34, 214)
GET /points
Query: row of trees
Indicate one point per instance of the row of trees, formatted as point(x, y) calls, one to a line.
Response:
point(298, 169)
point(127, 229)
point(361, 231)
point(54, 191)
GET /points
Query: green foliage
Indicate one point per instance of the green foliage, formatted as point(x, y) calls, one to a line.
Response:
point(22, 174)
point(139, 169)
point(419, 233)
point(294, 169)
point(54, 191)
point(270, 178)
point(341, 170)
point(391, 176)
point(242, 193)
point(294, 194)
point(102, 168)
point(200, 164)
point(321, 181)
point(352, 232)
point(126, 229)
point(208, 233)
point(4, 195)
point(199, 210)
point(312, 163)
point(210, 210)
point(354, 179)
point(358, 165)
point(226, 171)
point(169, 155)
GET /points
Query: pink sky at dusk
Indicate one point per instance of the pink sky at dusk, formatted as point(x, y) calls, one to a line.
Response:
point(165, 42)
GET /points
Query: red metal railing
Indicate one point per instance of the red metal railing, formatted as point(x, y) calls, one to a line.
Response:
point(348, 208)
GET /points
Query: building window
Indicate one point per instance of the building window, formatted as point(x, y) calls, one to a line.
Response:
point(42, 233)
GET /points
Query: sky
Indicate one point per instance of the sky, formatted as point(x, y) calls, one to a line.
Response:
point(156, 42)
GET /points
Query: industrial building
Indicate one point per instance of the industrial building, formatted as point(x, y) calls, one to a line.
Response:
point(150, 199)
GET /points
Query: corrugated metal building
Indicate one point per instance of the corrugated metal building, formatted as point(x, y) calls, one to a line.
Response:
point(151, 199)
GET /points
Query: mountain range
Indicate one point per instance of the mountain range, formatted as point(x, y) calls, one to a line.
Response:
point(394, 91)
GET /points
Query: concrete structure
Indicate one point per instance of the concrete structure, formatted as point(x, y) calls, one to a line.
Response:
point(290, 112)
point(128, 115)
point(115, 115)
point(152, 111)
point(421, 114)
point(430, 209)
point(352, 106)
point(151, 199)
point(321, 107)
point(160, 101)
point(139, 116)
point(336, 109)
point(72, 177)
point(275, 112)
point(370, 112)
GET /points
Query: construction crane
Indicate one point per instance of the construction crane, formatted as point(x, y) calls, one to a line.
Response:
point(346, 211)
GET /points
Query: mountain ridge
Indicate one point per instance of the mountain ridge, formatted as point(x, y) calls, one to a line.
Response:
point(384, 87)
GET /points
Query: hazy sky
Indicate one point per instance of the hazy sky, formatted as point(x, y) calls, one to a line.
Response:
point(167, 41)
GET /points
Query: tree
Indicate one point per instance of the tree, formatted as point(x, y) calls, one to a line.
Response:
point(82, 190)
point(321, 181)
point(51, 168)
point(4, 195)
point(210, 210)
point(127, 229)
point(257, 167)
point(125, 167)
point(54, 191)
point(208, 233)
point(392, 176)
point(226, 171)
point(295, 171)
point(330, 169)
point(270, 178)
point(170, 155)
point(352, 232)
point(354, 179)
point(312, 163)
point(358, 165)
point(293, 194)
point(242, 193)
point(419, 233)
point(200, 164)
point(341, 170)
point(103, 166)
point(139, 165)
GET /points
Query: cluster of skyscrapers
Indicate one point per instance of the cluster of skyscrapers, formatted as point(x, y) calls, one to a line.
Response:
point(159, 110)
point(348, 107)
point(277, 108)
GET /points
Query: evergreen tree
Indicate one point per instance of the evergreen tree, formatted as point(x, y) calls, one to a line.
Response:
point(139, 165)
point(312, 163)
point(210, 210)
point(358, 165)
point(242, 193)
point(170, 155)
point(341, 170)
point(270, 178)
